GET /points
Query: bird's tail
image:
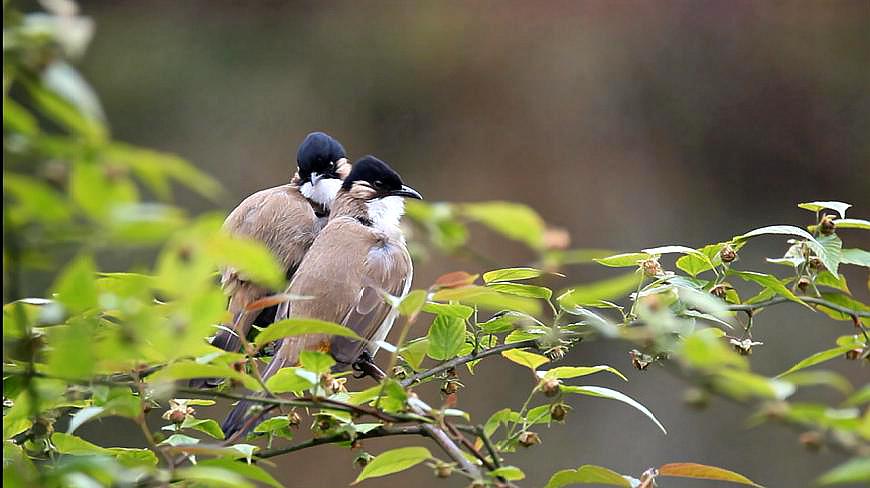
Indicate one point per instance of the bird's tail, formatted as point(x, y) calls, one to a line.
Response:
point(238, 421)
point(227, 339)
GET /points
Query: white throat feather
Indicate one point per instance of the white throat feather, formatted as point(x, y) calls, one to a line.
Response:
point(323, 192)
point(385, 213)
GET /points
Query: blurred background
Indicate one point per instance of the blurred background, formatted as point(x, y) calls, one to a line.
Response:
point(629, 124)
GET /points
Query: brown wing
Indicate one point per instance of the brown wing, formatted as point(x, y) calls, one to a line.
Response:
point(346, 272)
point(286, 223)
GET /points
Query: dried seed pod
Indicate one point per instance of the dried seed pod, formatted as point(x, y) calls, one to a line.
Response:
point(529, 439)
point(826, 225)
point(727, 254)
point(549, 387)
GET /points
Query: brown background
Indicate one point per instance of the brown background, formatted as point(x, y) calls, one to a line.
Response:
point(631, 124)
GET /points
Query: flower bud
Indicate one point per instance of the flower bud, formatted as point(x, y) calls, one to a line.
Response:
point(651, 267)
point(727, 254)
point(443, 470)
point(293, 419)
point(558, 411)
point(815, 263)
point(639, 360)
point(177, 416)
point(450, 387)
point(363, 460)
point(556, 353)
point(826, 225)
point(811, 440)
point(803, 284)
point(529, 439)
point(854, 354)
point(721, 290)
point(549, 387)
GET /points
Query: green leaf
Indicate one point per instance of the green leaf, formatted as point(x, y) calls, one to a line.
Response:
point(525, 358)
point(512, 220)
point(588, 474)
point(852, 224)
point(36, 200)
point(860, 397)
point(858, 257)
point(296, 327)
point(838, 207)
point(249, 471)
point(855, 470)
point(769, 282)
point(817, 358)
point(179, 440)
point(393, 461)
point(694, 264)
point(566, 372)
point(450, 309)
point(76, 286)
point(521, 290)
point(825, 278)
point(631, 259)
point(207, 426)
point(833, 250)
point(76, 446)
point(250, 257)
point(317, 362)
point(82, 416)
point(820, 378)
point(703, 472)
point(184, 370)
point(413, 302)
point(275, 426)
point(815, 245)
point(511, 274)
point(485, 297)
point(213, 476)
point(288, 380)
point(65, 114)
point(601, 392)
point(415, 351)
point(510, 473)
point(744, 385)
point(594, 293)
point(446, 337)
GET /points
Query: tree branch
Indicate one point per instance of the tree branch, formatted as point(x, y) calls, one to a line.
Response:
point(467, 359)
point(382, 431)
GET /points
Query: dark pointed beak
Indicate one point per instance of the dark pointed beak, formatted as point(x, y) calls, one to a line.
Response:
point(406, 192)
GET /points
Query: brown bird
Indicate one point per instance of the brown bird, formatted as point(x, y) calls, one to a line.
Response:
point(358, 256)
point(286, 219)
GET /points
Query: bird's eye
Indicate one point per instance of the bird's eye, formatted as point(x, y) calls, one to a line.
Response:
point(379, 183)
point(332, 164)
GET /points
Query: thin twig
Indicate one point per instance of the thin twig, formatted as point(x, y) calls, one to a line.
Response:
point(382, 431)
point(467, 359)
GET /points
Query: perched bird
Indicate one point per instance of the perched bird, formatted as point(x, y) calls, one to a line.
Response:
point(286, 219)
point(359, 255)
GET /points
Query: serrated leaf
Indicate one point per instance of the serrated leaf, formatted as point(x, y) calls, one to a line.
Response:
point(446, 337)
point(525, 358)
point(207, 426)
point(567, 372)
point(588, 474)
point(522, 290)
point(295, 327)
point(315, 361)
point(450, 309)
point(769, 282)
point(511, 274)
point(393, 461)
point(288, 380)
point(703, 472)
point(412, 303)
point(838, 207)
point(601, 392)
point(631, 259)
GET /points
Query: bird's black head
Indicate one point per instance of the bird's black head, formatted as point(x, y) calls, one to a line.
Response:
point(377, 179)
point(320, 155)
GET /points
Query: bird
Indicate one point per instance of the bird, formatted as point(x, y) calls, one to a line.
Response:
point(286, 219)
point(358, 256)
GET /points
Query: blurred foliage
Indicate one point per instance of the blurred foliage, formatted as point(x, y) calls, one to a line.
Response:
point(118, 343)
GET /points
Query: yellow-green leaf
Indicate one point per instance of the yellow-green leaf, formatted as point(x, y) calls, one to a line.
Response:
point(393, 461)
point(703, 472)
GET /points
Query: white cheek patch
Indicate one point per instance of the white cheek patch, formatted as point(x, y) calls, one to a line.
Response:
point(323, 192)
point(386, 212)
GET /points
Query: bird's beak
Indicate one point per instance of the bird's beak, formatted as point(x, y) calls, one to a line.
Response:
point(407, 192)
point(315, 177)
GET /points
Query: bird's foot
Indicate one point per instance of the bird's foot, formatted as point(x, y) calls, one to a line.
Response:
point(365, 366)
